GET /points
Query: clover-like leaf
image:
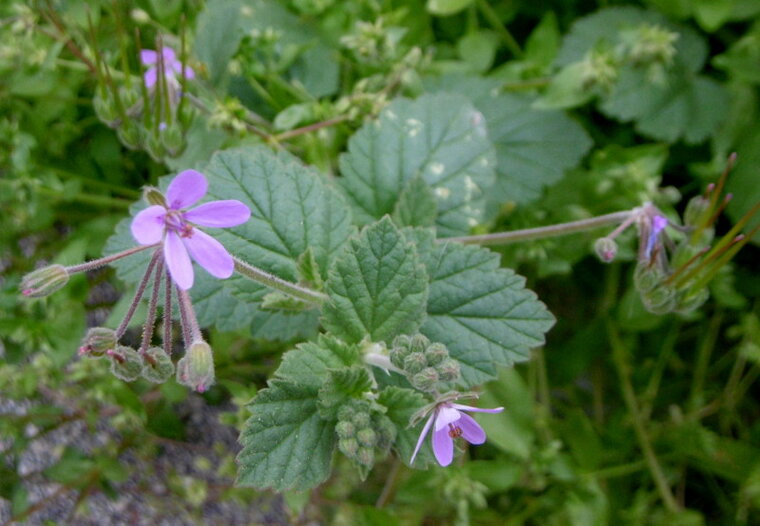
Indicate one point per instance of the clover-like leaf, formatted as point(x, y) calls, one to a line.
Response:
point(377, 287)
point(441, 138)
point(286, 445)
point(481, 312)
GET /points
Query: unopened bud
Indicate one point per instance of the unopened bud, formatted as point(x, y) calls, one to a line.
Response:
point(106, 111)
point(448, 370)
point(348, 446)
point(155, 147)
point(158, 365)
point(418, 343)
point(366, 437)
point(399, 350)
point(139, 16)
point(606, 249)
point(361, 419)
point(44, 281)
point(173, 140)
point(125, 363)
point(695, 211)
point(97, 341)
point(345, 429)
point(153, 196)
point(691, 301)
point(346, 413)
point(647, 278)
point(196, 368)
point(436, 353)
point(425, 380)
point(365, 456)
point(660, 300)
point(130, 135)
point(414, 362)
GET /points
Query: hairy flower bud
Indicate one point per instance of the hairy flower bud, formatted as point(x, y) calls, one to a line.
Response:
point(43, 282)
point(196, 368)
point(448, 370)
point(106, 111)
point(414, 362)
point(606, 249)
point(660, 300)
point(695, 211)
point(345, 429)
point(425, 380)
point(130, 135)
point(436, 353)
point(647, 278)
point(365, 456)
point(97, 341)
point(158, 365)
point(154, 196)
point(418, 343)
point(366, 437)
point(349, 447)
point(399, 350)
point(126, 363)
point(361, 419)
point(173, 140)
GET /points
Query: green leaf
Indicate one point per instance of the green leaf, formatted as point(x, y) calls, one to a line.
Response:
point(447, 7)
point(743, 181)
point(441, 138)
point(478, 49)
point(482, 313)
point(377, 287)
point(401, 404)
point(534, 147)
point(668, 110)
point(309, 364)
point(712, 14)
point(218, 35)
point(566, 89)
point(416, 205)
point(286, 445)
point(340, 386)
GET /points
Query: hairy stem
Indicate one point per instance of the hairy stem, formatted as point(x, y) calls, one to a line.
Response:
point(167, 313)
point(270, 280)
point(138, 295)
point(561, 229)
point(96, 263)
point(150, 319)
point(185, 303)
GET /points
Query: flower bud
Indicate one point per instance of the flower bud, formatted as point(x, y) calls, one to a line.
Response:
point(97, 341)
point(196, 368)
point(155, 147)
point(130, 135)
point(436, 353)
point(695, 211)
point(691, 301)
point(361, 419)
point(399, 350)
point(647, 278)
point(126, 363)
point(173, 140)
point(418, 343)
point(448, 370)
point(367, 437)
point(606, 249)
point(158, 365)
point(414, 362)
point(348, 446)
point(43, 282)
point(153, 196)
point(106, 111)
point(365, 456)
point(660, 300)
point(425, 380)
point(346, 413)
point(345, 429)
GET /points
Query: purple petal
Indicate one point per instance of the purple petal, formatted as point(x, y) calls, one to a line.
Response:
point(150, 77)
point(210, 254)
point(219, 214)
point(423, 434)
point(148, 225)
point(177, 261)
point(148, 56)
point(658, 224)
point(443, 447)
point(189, 73)
point(169, 55)
point(471, 430)
point(445, 415)
point(186, 189)
point(476, 409)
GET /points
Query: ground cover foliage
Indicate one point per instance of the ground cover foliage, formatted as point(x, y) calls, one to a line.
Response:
point(372, 142)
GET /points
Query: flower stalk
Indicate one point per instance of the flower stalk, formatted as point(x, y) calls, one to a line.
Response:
point(286, 287)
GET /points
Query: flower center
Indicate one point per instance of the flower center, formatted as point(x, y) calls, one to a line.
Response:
point(455, 431)
point(174, 220)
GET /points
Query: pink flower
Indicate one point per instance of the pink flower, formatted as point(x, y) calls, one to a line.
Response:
point(175, 226)
point(172, 66)
point(449, 422)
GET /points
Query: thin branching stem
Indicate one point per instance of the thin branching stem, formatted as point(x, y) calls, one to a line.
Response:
point(138, 295)
point(150, 319)
point(97, 263)
point(270, 280)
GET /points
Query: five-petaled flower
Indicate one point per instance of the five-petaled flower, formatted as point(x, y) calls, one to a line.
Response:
point(171, 66)
point(449, 422)
point(174, 225)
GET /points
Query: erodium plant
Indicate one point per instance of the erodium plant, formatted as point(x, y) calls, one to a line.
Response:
point(400, 310)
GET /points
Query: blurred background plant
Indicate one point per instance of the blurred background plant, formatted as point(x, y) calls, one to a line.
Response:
point(623, 417)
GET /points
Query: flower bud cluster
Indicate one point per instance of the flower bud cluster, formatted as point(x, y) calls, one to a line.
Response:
point(155, 364)
point(425, 364)
point(361, 431)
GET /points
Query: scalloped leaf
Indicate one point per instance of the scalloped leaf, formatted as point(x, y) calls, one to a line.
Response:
point(439, 137)
point(377, 287)
point(286, 445)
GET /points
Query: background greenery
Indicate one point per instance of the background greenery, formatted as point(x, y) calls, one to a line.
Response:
point(622, 417)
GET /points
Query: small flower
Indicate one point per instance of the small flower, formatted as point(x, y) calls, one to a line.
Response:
point(449, 422)
point(171, 66)
point(174, 225)
point(657, 226)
